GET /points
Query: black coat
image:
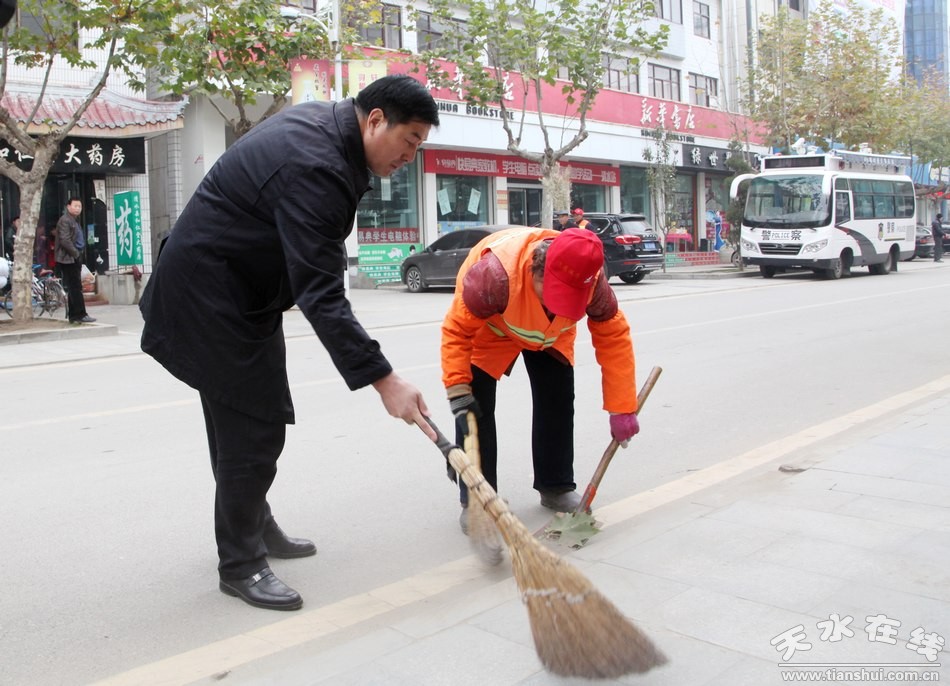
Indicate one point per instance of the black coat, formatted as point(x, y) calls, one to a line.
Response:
point(264, 230)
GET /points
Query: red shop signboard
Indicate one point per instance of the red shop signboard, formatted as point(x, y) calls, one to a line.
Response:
point(486, 164)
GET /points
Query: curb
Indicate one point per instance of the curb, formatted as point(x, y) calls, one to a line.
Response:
point(715, 274)
point(66, 333)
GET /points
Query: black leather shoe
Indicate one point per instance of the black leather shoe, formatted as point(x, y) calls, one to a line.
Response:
point(263, 590)
point(282, 546)
point(85, 319)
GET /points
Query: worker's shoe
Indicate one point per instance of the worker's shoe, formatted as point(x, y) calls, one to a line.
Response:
point(263, 589)
point(463, 519)
point(565, 501)
point(282, 546)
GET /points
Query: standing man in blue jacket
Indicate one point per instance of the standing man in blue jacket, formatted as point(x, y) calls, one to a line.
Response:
point(265, 230)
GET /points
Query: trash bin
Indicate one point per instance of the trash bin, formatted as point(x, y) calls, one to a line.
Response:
point(704, 245)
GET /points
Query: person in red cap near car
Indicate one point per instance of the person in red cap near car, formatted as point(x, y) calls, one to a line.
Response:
point(579, 218)
point(522, 291)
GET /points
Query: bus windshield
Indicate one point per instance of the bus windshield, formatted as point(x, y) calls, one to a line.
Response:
point(787, 202)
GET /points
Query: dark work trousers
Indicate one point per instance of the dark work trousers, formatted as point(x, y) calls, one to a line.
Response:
point(552, 423)
point(244, 452)
point(938, 248)
point(72, 282)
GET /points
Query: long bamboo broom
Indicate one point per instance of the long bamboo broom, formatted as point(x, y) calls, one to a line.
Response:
point(482, 533)
point(577, 631)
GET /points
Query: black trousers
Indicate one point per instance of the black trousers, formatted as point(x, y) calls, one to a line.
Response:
point(244, 452)
point(552, 423)
point(938, 249)
point(72, 282)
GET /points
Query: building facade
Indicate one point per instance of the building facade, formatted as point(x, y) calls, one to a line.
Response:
point(103, 161)
point(466, 176)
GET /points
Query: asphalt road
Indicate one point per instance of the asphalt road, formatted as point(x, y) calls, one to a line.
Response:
point(106, 494)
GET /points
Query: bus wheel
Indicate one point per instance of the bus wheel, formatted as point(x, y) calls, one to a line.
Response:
point(767, 272)
point(837, 270)
point(886, 267)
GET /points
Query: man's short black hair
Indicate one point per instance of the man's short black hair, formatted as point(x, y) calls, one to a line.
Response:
point(401, 98)
point(939, 216)
point(72, 199)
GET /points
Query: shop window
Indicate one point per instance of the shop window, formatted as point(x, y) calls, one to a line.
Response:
point(392, 203)
point(461, 201)
point(634, 191)
point(684, 204)
point(587, 197)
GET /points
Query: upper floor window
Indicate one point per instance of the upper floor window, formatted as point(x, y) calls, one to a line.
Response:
point(703, 90)
point(388, 32)
point(701, 19)
point(430, 31)
point(305, 6)
point(38, 24)
point(620, 74)
point(664, 82)
point(671, 10)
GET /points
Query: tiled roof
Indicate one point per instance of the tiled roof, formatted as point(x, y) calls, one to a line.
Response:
point(110, 114)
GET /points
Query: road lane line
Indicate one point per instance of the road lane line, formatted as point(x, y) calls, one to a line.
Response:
point(222, 656)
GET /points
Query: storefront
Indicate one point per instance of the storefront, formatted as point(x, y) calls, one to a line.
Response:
point(481, 188)
point(387, 223)
point(92, 169)
point(711, 193)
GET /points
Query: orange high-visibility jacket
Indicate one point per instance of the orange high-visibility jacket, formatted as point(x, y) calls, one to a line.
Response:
point(488, 325)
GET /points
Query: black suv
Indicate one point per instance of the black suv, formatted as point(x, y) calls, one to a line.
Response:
point(632, 249)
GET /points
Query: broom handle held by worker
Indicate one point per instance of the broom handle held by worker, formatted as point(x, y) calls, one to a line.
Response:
point(441, 442)
point(591, 489)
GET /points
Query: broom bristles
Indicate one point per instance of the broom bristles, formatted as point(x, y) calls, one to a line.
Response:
point(482, 533)
point(577, 631)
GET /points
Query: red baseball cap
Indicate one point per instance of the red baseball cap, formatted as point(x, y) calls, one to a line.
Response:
point(574, 259)
point(578, 210)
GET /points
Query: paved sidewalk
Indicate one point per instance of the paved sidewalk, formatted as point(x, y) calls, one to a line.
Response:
point(824, 552)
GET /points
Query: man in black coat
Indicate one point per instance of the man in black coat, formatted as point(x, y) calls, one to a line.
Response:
point(936, 228)
point(265, 230)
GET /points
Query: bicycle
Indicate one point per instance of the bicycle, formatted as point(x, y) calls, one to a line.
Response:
point(46, 293)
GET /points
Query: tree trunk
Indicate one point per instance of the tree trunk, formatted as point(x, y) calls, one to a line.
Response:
point(555, 191)
point(31, 197)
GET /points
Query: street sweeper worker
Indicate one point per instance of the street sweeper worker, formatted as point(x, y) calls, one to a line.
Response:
point(521, 292)
point(265, 230)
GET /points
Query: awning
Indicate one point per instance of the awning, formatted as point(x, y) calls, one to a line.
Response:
point(109, 116)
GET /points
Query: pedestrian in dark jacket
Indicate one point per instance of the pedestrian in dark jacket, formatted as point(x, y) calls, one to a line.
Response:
point(67, 256)
point(265, 230)
point(936, 228)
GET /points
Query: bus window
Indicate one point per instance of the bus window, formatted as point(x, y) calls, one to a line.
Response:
point(884, 205)
point(863, 206)
point(842, 207)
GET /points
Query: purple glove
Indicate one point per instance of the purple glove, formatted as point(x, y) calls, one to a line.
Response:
point(623, 427)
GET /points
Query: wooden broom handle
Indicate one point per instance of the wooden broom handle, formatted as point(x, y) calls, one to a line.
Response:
point(591, 489)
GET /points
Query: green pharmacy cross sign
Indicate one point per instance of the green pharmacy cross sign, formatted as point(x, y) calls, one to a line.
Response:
point(128, 228)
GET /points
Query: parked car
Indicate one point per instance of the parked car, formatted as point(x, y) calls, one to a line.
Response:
point(925, 243)
point(439, 264)
point(632, 249)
